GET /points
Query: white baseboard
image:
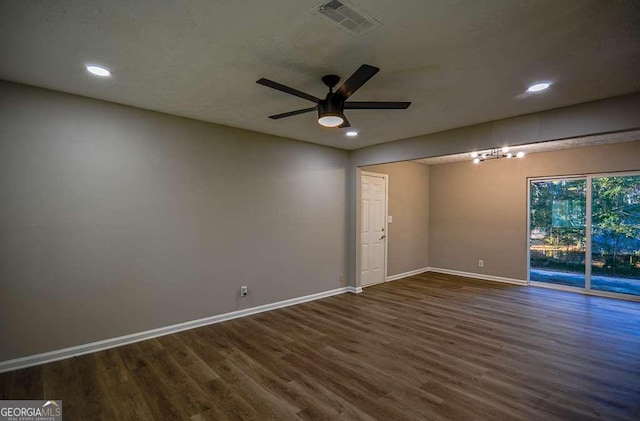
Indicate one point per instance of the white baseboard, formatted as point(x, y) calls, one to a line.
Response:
point(479, 276)
point(74, 351)
point(406, 274)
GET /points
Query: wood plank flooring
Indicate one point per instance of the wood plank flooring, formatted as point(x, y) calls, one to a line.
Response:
point(429, 347)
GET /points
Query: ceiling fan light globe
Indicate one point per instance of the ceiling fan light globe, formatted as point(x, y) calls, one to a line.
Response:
point(330, 120)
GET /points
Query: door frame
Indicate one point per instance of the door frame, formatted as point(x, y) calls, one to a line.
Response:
point(360, 173)
point(588, 177)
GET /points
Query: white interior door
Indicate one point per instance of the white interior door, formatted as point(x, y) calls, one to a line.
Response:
point(373, 216)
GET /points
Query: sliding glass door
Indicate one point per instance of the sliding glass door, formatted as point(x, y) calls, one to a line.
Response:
point(584, 233)
point(615, 227)
point(557, 237)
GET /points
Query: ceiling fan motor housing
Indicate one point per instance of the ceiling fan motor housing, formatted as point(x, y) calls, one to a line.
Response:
point(331, 106)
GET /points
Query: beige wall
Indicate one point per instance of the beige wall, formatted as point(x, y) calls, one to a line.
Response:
point(409, 206)
point(115, 220)
point(480, 211)
point(591, 118)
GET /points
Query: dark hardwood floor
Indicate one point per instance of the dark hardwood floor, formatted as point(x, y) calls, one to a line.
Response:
point(429, 347)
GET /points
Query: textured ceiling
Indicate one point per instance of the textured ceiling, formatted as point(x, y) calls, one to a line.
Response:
point(459, 62)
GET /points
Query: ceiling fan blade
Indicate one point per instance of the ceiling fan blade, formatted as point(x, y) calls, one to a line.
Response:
point(345, 123)
point(290, 113)
point(356, 80)
point(376, 105)
point(286, 89)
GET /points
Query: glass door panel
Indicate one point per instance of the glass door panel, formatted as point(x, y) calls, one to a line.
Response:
point(615, 228)
point(557, 236)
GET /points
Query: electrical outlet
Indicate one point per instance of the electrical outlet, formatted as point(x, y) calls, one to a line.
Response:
point(480, 263)
point(244, 290)
point(341, 277)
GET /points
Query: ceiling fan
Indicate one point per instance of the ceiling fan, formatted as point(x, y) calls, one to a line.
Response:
point(331, 109)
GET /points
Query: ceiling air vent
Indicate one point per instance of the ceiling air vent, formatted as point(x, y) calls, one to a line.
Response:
point(346, 17)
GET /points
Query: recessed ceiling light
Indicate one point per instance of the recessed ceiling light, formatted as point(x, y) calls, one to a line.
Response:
point(352, 133)
point(98, 70)
point(538, 87)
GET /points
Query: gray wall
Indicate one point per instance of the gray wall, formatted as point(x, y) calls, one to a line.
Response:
point(480, 211)
point(409, 205)
point(115, 220)
point(603, 116)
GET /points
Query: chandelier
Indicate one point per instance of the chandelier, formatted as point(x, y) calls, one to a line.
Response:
point(496, 153)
